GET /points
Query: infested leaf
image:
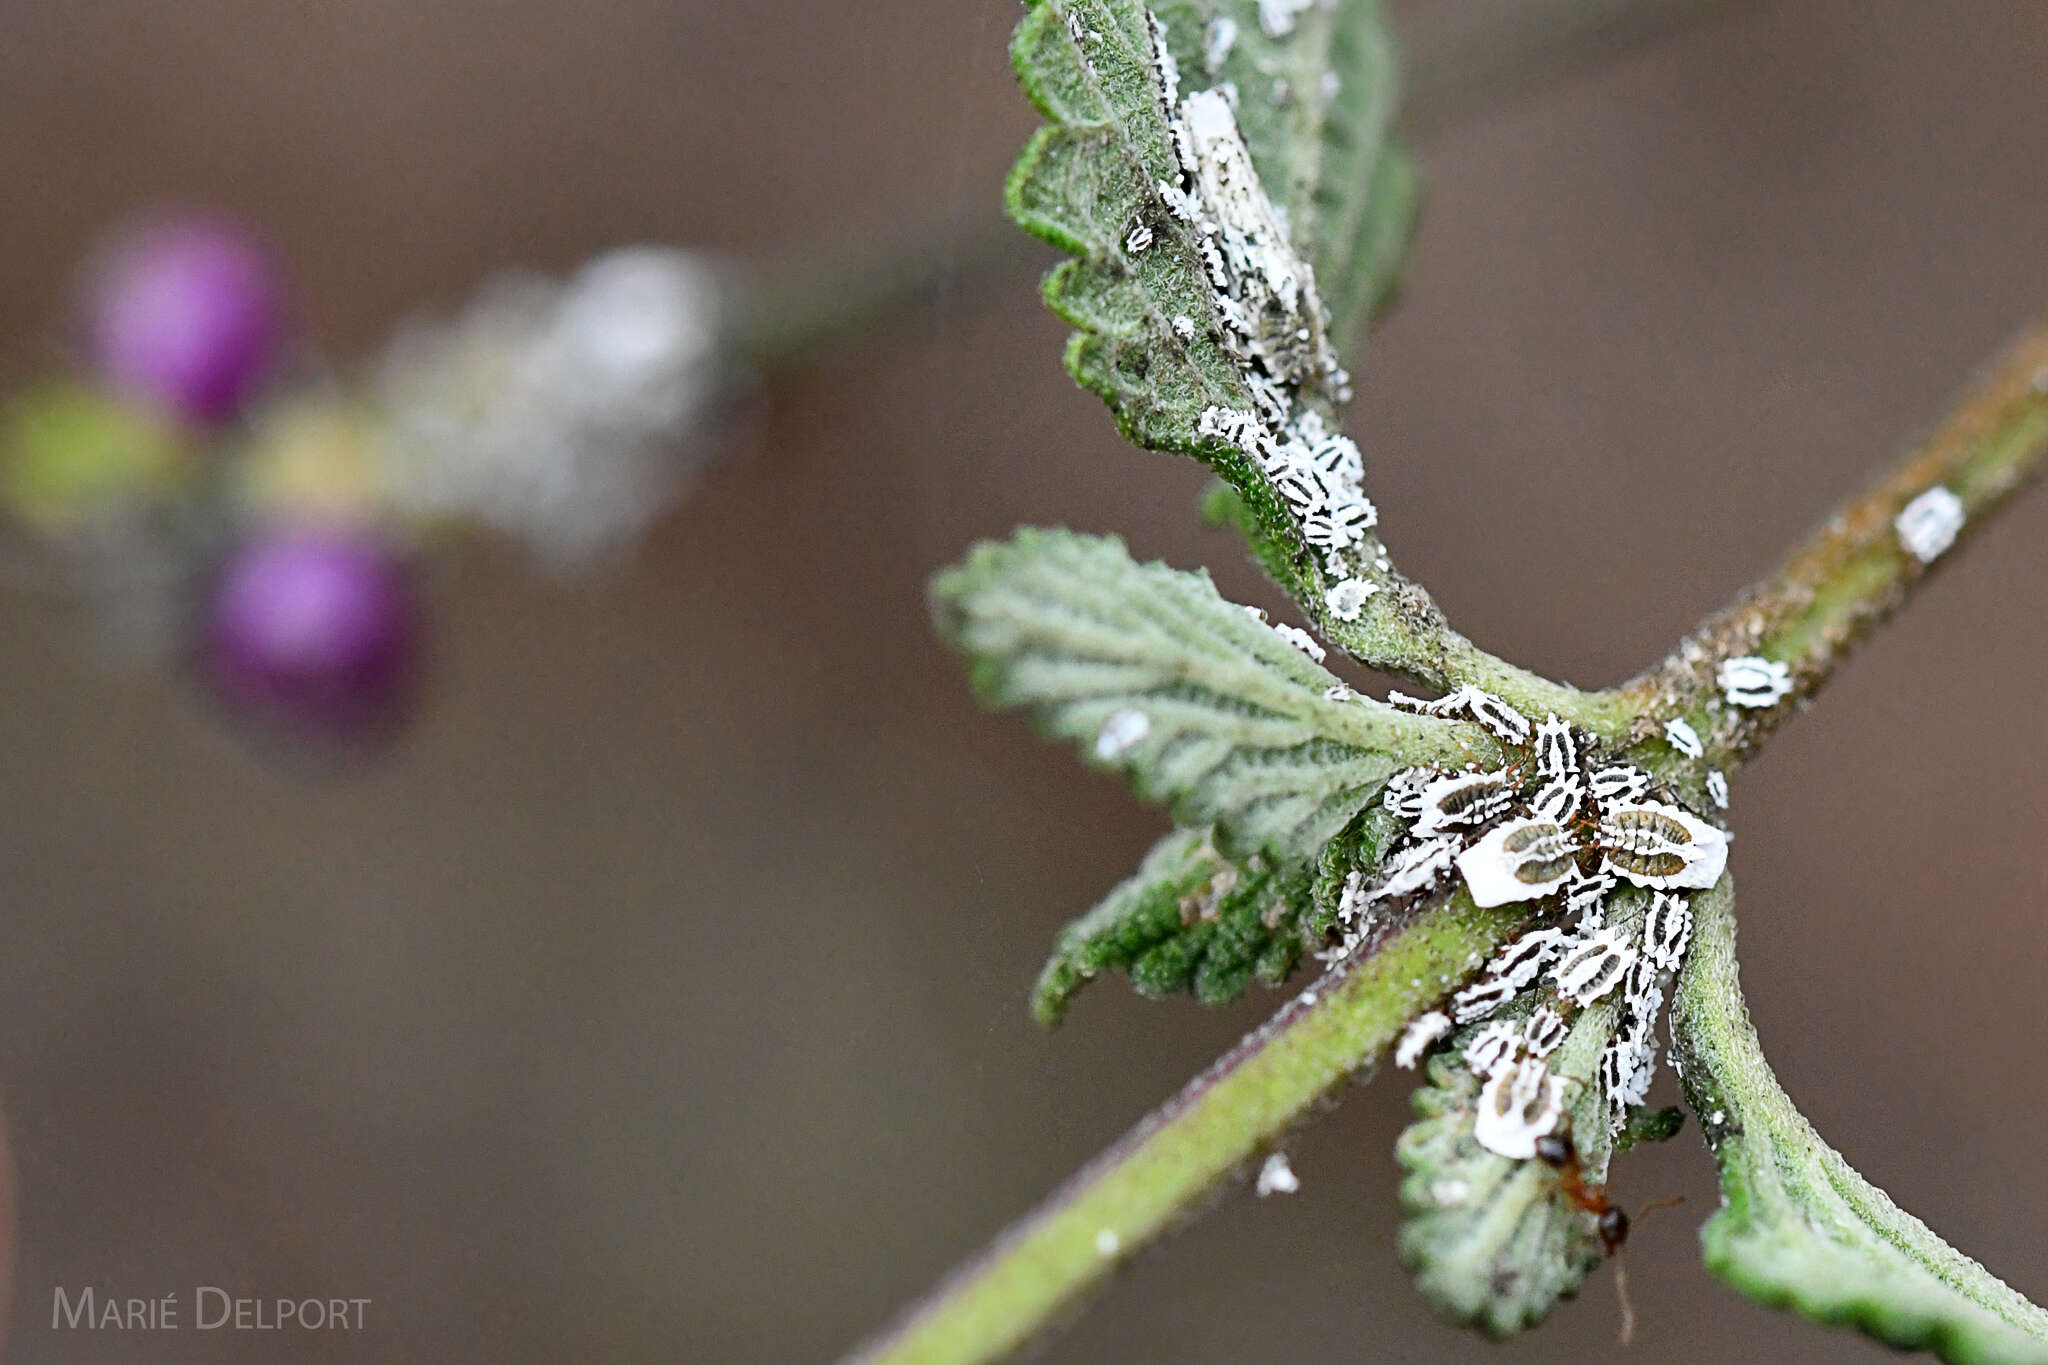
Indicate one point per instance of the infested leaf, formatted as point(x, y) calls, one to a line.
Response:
point(1494, 1243)
point(1312, 95)
point(1203, 705)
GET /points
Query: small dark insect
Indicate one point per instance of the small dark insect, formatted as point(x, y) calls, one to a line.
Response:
point(1559, 1152)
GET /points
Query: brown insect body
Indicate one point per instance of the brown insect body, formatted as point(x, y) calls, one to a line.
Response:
point(1559, 1152)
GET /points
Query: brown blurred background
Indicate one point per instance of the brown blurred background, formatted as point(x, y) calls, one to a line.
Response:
point(661, 998)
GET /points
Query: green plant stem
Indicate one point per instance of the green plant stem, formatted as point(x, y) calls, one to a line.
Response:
point(1423, 646)
point(1854, 572)
point(1234, 1111)
point(1827, 596)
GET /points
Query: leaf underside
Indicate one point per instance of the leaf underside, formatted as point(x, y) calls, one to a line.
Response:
point(1223, 720)
point(1799, 1228)
point(1494, 1243)
point(1502, 1266)
point(1315, 106)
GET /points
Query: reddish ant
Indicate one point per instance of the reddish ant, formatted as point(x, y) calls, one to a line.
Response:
point(1558, 1151)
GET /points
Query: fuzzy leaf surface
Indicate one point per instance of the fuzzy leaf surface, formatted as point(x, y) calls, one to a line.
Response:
point(1189, 919)
point(1237, 728)
point(1492, 1242)
point(1314, 106)
point(1799, 1228)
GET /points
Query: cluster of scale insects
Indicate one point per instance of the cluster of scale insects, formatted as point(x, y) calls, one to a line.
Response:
point(1267, 317)
point(1555, 827)
point(1552, 826)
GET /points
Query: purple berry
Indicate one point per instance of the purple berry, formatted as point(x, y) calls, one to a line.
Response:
point(186, 314)
point(316, 631)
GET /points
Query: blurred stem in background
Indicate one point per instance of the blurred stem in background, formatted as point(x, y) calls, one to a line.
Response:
point(1466, 57)
point(192, 484)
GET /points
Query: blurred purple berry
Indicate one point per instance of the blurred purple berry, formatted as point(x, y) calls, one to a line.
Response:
point(187, 314)
point(315, 631)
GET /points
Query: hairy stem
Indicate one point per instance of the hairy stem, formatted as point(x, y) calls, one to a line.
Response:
point(1238, 1108)
point(1855, 570)
point(1246, 1102)
point(1420, 644)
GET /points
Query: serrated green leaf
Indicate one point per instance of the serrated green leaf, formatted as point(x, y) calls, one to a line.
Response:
point(1314, 107)
point(1357, 851)
point(1493, 1242)
point(1644, 1124)
point(1214, 713)
point(1316, 104)
point(1799, 1228)
point(1189, 919)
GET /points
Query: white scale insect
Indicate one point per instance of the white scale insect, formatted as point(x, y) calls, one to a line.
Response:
point(1667, 931)
point(1482, 819)
point(1123, 731)
point(1217, 41)
point(1351, 901)
point(1465, 800)
point(1512, 970)
point(1277, 1176)
point(1659, 846)
point(1415, 868)
point(1303, 641)
point(1504, 721)
point(1427, 1029)
point(1518, 860)
point(1277, 17)
point(1483, 997)
point(1618, 785)
point(1595, 966)
point(1402, 795)
point(1518, 1105)
point(1930, 523)
point(1274, 321)
point(1544, 1032)
point(1585, 896)
point(1493, 1047)
point(1557, 766)
point(1754, 682)
point(1643, 996)
point(1347, 598)
point(1684, 738)
point(1628, 1065)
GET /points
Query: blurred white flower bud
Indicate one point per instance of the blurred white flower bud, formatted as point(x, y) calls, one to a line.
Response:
point(565, 414)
